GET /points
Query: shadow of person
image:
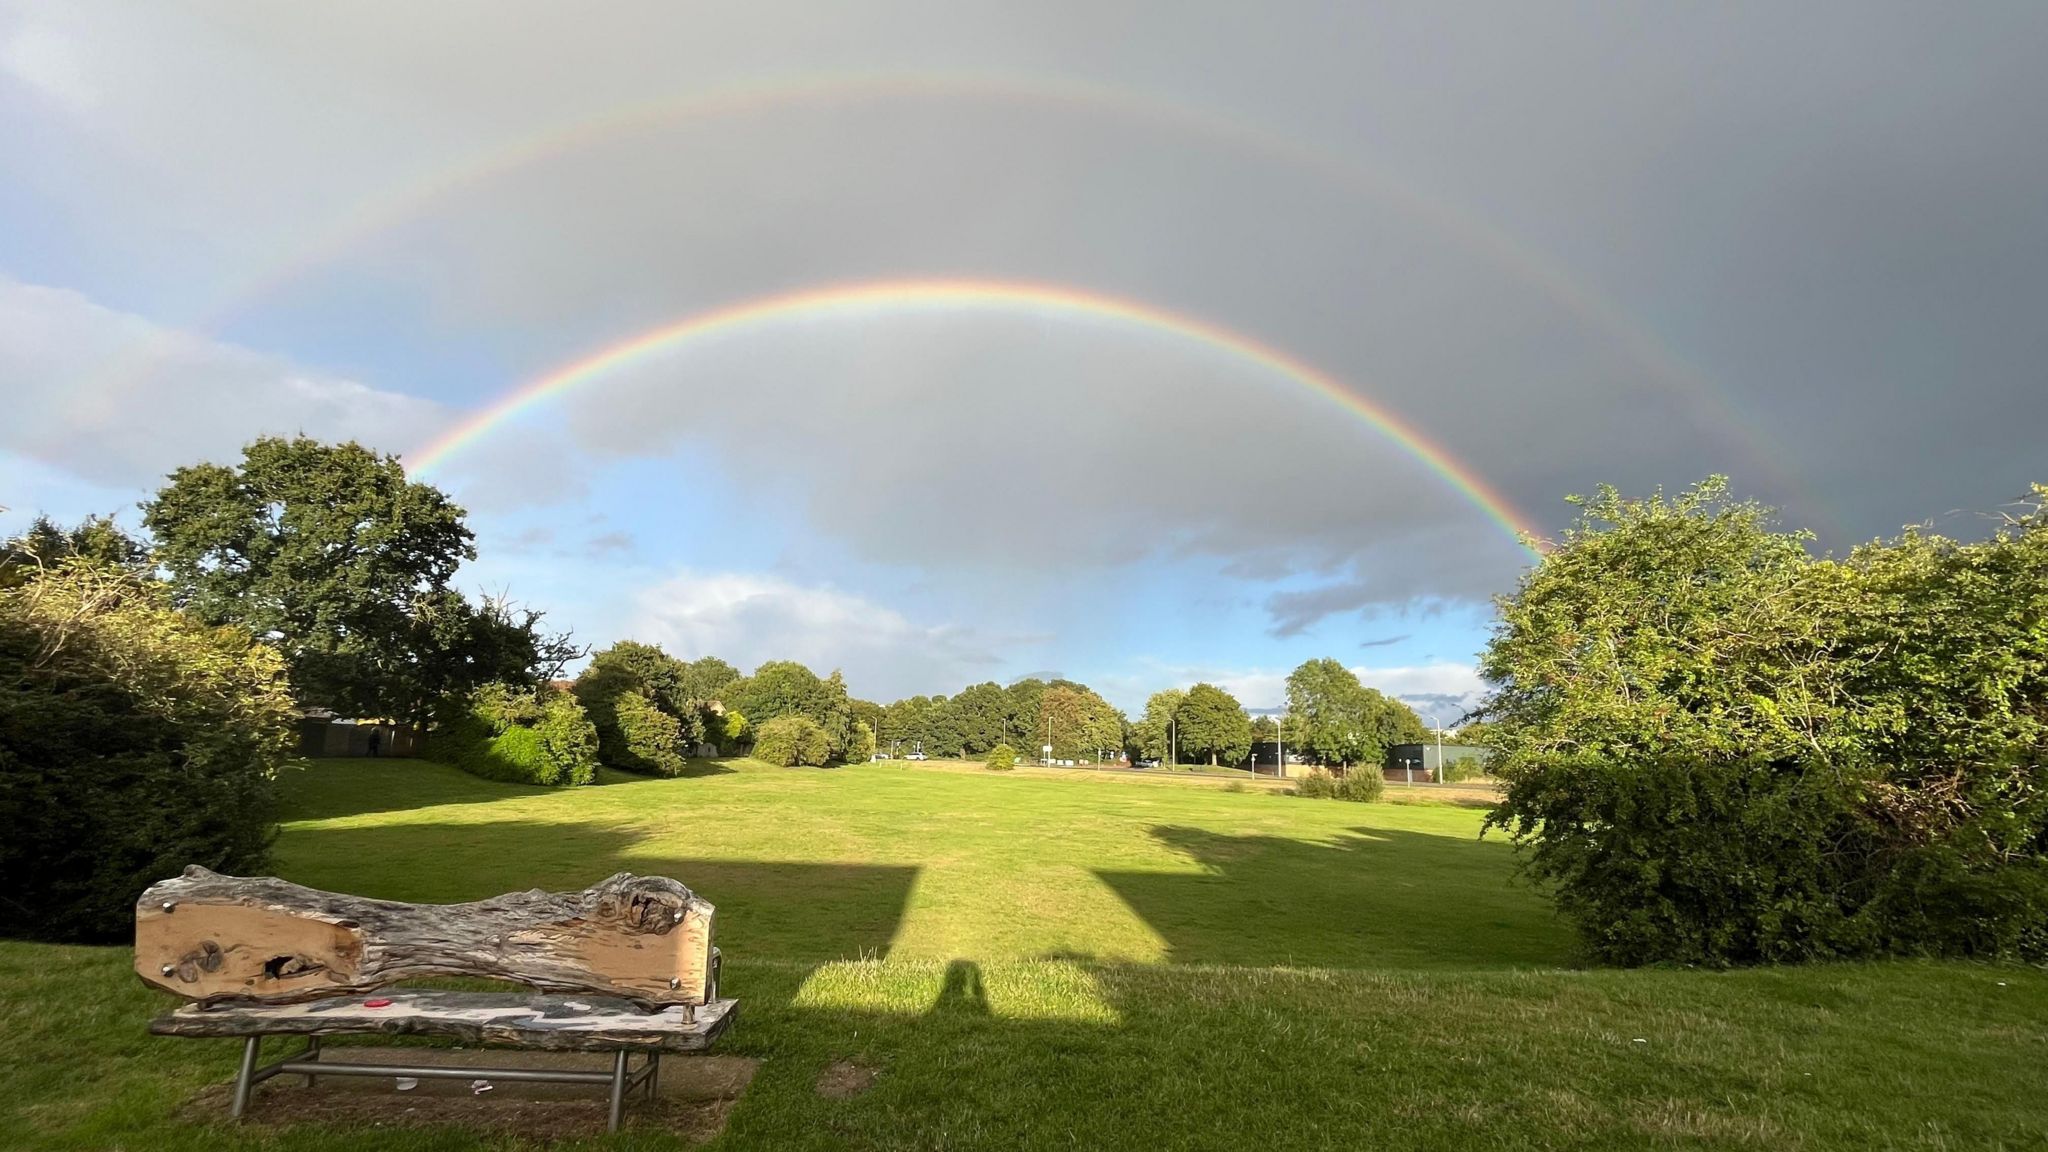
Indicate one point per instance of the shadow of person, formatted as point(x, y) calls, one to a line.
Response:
point(962, 995)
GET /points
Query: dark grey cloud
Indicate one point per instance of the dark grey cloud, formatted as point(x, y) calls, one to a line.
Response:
point(1805, 246)
point(1383, 641)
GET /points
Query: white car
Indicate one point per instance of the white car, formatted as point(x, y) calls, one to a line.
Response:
point(917, 756)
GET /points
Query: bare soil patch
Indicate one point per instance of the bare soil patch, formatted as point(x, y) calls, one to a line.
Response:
point(845, 1079)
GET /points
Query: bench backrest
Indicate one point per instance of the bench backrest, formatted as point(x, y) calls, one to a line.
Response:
point(211, 937)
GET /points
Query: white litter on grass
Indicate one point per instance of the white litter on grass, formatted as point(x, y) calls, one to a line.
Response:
point(407, 1083)
point(2001, 983)
point(1639, 1040)
point(479, 1087)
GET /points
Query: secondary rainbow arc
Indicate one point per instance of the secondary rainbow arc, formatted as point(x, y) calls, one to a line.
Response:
point(1045, 298)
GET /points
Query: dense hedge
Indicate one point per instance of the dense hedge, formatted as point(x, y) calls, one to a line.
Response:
point(792, 740)
point(133, 741)
point(1720, 749)
point(1360, 784)
point(519, 736)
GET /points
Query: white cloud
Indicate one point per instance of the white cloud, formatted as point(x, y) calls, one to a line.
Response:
point(118, 400)
point(748, 618)
point(47, 60)
point(1447, 690)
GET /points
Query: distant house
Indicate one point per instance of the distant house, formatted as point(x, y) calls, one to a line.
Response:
point(1418, 762)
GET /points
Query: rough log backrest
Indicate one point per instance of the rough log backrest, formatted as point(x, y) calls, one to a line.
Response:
point(211, 938)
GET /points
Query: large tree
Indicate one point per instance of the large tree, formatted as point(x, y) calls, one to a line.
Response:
point(1154, 733)
point(1077, 723)
point(786, 688)
point(330, 554)
point(1334, 719)
point(1213, 724)
point(977, 716)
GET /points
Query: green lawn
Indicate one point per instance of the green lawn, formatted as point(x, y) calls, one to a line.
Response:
point(1100, 960)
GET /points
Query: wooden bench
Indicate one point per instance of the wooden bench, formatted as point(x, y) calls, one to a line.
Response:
point(626, 966)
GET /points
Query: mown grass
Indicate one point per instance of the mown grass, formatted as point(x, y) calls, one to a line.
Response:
point(1075, 961)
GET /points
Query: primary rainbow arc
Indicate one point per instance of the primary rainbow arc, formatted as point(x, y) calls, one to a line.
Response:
point(1047, 298)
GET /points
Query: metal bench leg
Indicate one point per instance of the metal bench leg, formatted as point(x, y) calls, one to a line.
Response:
point(311, 1055)
point(242, 1078)
point(618, 1090)
point(653, 1073)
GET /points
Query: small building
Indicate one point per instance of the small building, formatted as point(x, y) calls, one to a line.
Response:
point(322, 734)
point(1418, 763)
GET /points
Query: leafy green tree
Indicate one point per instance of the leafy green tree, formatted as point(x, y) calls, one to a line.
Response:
point(134, 740)
point(1154, 733)
point(1080, 723)
point(792, 739)
point(46, 544)
point(517, 734)
point(704, 680)
point(1720, 749)
point(860, 748)
point(1330, 716)
point(786, 688)
point(329, 553)
point(634, 694)
point(978, 717)
point(1213, 724)
point(1000, 758)
point(1020, 712)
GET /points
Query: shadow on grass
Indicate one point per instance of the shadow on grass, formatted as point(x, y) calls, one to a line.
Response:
point(799, 911)
point(1372, 898)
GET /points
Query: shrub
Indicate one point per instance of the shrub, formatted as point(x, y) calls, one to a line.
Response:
point(1235, 786)
point(1318, 784)
point(638, 697)
point(1719, 749)
point(133, 741)
point(787, 741)
point(648, 740)
point(1000, 758)
point(1361, 784)
point(519, 736)
point(860, 747)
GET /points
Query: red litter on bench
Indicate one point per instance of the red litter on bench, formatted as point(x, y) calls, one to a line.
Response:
point(380, 1002)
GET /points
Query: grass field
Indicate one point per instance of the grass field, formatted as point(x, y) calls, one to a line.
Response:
point(1058, 960)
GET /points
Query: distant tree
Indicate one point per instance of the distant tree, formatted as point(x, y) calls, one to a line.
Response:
point(1213, 724)
point(1077, 722)
point(1153, 734)
point(860, 747)
point(1020, 712)
point(331, 555)
point(792, 739)
point(1000, 758)
point(978, 716)
point(46, 544)
point(634, 695)
point(705, 680)
point(1331, 717)
point(1264, 729)
point(781, 688)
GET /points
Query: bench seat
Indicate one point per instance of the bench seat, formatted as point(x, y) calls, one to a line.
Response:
point(561, 1023)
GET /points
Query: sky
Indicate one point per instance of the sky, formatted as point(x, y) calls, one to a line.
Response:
point(1135, 343)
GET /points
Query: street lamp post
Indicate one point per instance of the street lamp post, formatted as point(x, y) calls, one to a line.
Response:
point(1436, 724)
